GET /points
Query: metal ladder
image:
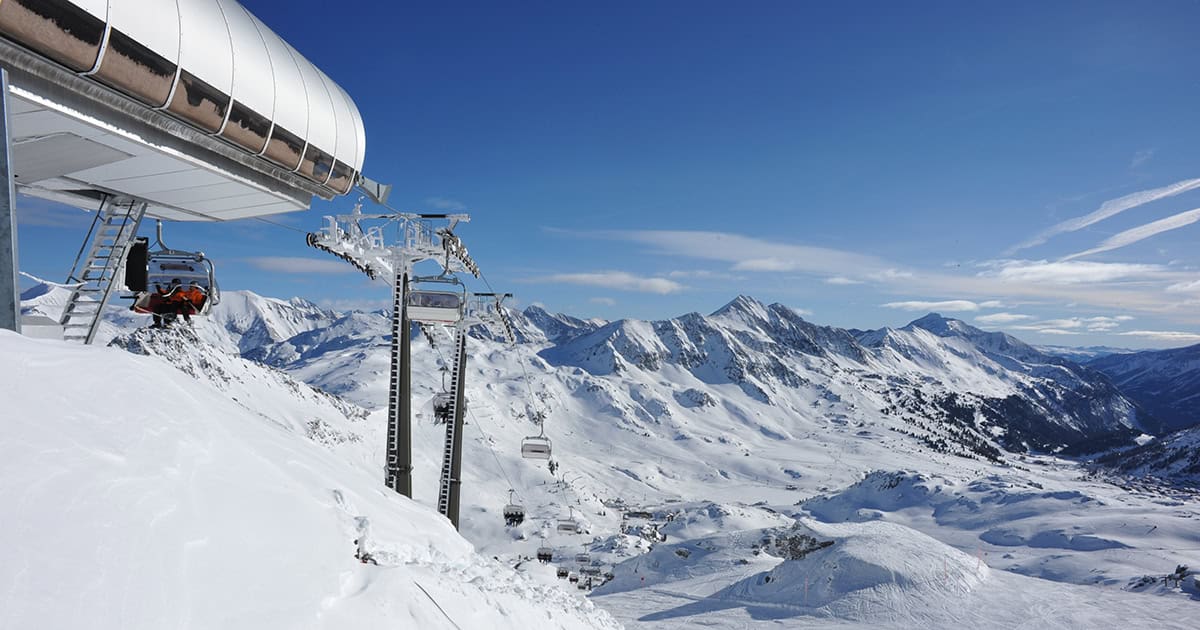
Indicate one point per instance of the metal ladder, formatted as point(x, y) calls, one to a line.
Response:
point(97, 274)
point(451, 457)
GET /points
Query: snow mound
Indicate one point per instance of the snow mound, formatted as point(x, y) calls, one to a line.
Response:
point(879, 490)
point(868, 567)
point(142, 498)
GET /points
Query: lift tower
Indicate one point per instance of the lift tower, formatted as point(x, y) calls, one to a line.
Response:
point(389, 251)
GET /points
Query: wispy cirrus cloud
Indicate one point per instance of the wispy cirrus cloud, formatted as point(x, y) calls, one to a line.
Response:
point(997, 319)
point(32, 211)
point(1140, 157)
point(1184, 287)
point(1096, 324)
point(947, 305)
point(620, 280)
point(747, 253)
point(992, 284)
point(444, 203)
point(1170, 336)
point(604, 301)
point(1106, 210)
point(1142, 232)
point(1068, 272)
point(842, 280)
point(297, 264)
point(703, 274)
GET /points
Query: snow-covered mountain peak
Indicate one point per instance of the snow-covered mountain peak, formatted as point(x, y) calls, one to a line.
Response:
point(536, 323)
point(744, 309)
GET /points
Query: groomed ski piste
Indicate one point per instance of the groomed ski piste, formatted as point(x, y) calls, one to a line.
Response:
point(173, 478)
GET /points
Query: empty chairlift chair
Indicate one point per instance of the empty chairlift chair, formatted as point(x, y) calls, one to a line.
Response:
point(583, 558)
point(536, 447)
point(514, 512)
point(568, 525)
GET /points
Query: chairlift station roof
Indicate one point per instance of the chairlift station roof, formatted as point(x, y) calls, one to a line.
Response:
point(194, 106)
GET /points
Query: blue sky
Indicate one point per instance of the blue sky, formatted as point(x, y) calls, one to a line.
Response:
point(1023, 167)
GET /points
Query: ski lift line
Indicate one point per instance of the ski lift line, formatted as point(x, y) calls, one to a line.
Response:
point(277, 224)
point(486, 438)
point(525, 372)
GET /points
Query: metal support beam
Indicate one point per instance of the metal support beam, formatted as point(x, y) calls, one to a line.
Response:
point(460, 408)
point(10, 294)
point(398, 466)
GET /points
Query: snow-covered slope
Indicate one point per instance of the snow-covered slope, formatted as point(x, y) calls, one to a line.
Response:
point(697, 434)
point(1166, 382)
point(956, 386)
point(136, 496)
point(1174, 457)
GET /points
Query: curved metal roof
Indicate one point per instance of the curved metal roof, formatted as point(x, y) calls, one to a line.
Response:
point(258, 117)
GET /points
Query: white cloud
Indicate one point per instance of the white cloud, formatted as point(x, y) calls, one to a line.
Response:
point(42, 213)
point(1068, 272)
point(616, 280)
point(1002, 318)
point(702, 274)
point(444, 203)
point(296, 264)
point(948, 305)
point(890, 275)
point(1108, 209)
point(1140, 157)
point(1184, 287)
point(606, 301)
point(999, 284)
point(1073, 322)
point(842, 280)
point(1056, 331)
point(753, 254)
point(1098, 323)
point(1141, 232)
point(1164, 335)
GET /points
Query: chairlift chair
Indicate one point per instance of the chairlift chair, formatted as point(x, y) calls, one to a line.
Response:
point(160, 279)
point(583, 558)
point(545, 554)
point(536, 446)
point(568, 525)
point(561, 573)
point(435, 307)
point(443, 404)
point(514, 513)
point(573, 577)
